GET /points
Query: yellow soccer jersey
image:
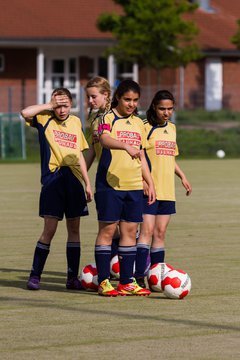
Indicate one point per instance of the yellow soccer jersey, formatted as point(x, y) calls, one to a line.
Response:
point(95, 118)
point(116, 167)
point(60, 142)
point(161, 149)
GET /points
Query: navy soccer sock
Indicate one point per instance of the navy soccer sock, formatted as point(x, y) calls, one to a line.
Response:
point(141, 260)
point(102, 258)
point(127, 256)
point(157, 255)
point(73, 252)
point(39, 259)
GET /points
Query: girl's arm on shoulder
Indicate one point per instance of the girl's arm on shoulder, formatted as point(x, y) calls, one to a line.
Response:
point(182, 176)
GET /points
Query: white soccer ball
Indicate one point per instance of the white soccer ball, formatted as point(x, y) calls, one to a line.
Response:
point(155, 275)
point(220, 154)
point(115, 267)
point(176, 284)
point(89, 277)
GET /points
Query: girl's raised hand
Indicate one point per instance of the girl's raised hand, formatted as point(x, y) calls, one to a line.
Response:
point(59, 100)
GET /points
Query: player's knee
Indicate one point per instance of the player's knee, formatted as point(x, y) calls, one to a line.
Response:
point(160, 235)
point(73, 232)
point(47, 236)
point(147, 232)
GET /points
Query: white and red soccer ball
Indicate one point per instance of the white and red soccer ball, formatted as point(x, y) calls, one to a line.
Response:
point(176, 284)
point(156, 274)
point(115, 267)
point(89, 277)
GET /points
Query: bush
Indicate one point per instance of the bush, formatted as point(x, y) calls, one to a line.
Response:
point(200, 116)
point(195, 141)
point(32, 145)
point(200, 143)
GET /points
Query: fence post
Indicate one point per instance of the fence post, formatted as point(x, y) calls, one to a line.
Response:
point(82, 109)
point(23, 138)
point(10, 116)
point(3, 152)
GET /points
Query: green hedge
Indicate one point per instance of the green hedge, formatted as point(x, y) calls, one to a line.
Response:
point(194, 142)
point(200, 143)
point(202, 116)
point(32, 145)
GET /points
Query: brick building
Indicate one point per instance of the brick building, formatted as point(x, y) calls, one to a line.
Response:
point(45, 44)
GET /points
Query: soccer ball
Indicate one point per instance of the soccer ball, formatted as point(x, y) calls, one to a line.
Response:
point(89, 277)
point(176, 284)
point(115, 267)
point(220, 154)
point(155, 275)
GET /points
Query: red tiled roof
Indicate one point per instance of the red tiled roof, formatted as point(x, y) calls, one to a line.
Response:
point(42, 19)
point(216, 28)
point(76, 20)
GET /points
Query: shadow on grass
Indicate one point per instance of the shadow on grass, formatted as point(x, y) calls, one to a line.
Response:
point(56, 273)
point(157, 318)
point(51, 281)
point(54, 277)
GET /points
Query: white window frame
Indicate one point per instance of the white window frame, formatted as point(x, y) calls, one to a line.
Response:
point(45, 71)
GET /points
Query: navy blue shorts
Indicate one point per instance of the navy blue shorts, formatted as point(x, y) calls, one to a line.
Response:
point(63, 194)
point(160, 207)
point(117, 205)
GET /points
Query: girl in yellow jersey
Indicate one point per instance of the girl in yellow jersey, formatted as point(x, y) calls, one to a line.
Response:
point(63, 170)
point(119, 188)
point(161, 150)
point(98, 93)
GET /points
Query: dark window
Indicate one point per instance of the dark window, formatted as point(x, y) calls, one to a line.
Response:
point(58, 66)
point(102, 67)
point(72, 66)
point(1, 62)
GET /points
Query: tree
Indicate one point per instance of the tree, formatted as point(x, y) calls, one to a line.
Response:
point(152, 32)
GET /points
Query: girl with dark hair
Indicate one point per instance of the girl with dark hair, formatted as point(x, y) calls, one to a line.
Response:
point(161, 150)
point(119, 188)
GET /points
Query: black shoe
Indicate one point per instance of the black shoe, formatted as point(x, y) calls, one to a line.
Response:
point(74, 284)
point(141, 282)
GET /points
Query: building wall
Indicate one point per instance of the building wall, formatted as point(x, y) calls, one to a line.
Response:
point(231, 84)
point(194, 85)
point(18, 79)
point(152, 80)
point(18, 84)
point(19, 63)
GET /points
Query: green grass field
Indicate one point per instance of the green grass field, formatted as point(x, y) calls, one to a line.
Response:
point(53, 323)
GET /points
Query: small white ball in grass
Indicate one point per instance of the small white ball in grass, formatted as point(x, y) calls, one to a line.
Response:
point(220, 154)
